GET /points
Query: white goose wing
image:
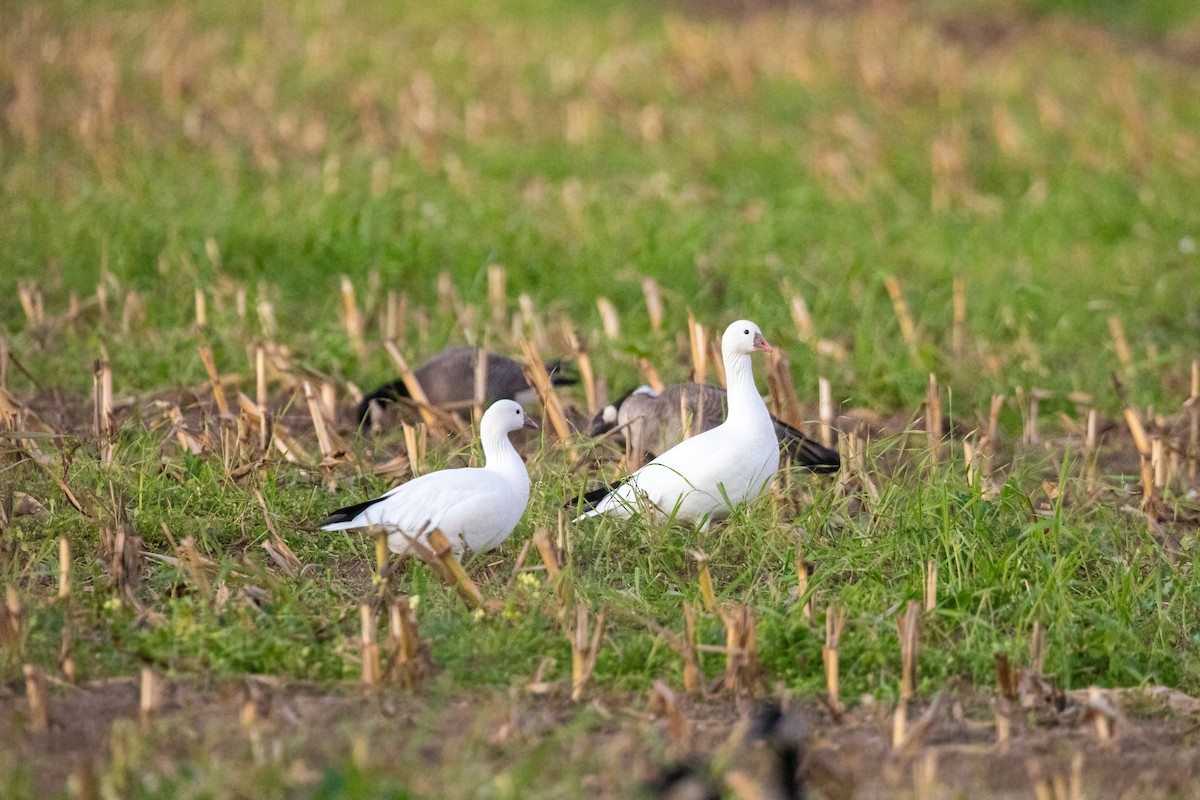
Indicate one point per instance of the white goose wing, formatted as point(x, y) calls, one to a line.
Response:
point(475, 507)
point(699, 476)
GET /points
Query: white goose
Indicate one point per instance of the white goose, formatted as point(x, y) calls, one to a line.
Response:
point(476, 507)
point(653, 421)
point(702, 478)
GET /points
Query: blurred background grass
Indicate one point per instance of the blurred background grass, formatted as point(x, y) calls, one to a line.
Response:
point(1046, 152)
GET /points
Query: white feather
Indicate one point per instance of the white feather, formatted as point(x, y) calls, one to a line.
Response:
point(703, 478)
point(477, 507)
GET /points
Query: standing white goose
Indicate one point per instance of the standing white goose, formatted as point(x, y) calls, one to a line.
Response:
point(702, 478)
point(476, 507)
point(653, 421)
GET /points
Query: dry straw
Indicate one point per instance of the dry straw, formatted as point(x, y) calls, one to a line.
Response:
point(66, 658)
point(803, 571)
point(382, 574)
point(908, 329)
point(497, 293)
point(35, 692)
point(104, 421)
point(609, 319)
point(583, 650)
point(277, 549)
point(930, 583)
point(369, 646)
point(452, 570)
point(214, 378)
point(802, 319)
point(1193, 411)
point(1120, 343)
point(835, 619)
point(698, 339)
point(971, 458)
point(782, 388)
point(583, 361)
point(933, 418)
point(548, 551)
point(416, 440)
point(651, 375)
point(707, 595)
point(149, 695)
point(411, 384)
point(1032, 407)
point(958, 330)
point(1037, 649)
point(395, 317)
point(126, 550)
point(408, 657)
point(538, 378)
point(664, 700)
point(743, 675)
point(32, 303)
point(260, 398)
point(693, 678)
point(654, 303)
point(13, 623)
point(825, 405)
point(324, 436)
point(479, 394)
point(907, 626)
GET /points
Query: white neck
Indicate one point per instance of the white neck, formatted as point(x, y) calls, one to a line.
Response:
point(746, 406)
point(500, 455)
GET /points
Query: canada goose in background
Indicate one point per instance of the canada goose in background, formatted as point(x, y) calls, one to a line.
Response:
point(653, 422)
point(449, 379)
point(701, 479)
point(475, 507)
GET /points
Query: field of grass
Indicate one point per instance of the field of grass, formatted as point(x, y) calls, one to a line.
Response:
point(1002, 195)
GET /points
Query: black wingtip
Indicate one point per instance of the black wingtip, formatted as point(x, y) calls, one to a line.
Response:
point(348, 513)
point(589, 500)
point(806, 453)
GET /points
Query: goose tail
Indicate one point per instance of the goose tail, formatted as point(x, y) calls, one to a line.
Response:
point(806, 453)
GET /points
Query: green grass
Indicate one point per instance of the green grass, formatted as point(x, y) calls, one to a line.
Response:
point(738, 161)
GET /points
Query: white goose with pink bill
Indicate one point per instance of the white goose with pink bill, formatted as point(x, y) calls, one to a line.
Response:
point(703, 478)
point(477, 508)
point(652, 421)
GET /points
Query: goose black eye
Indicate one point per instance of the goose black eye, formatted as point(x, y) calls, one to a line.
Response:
point(747, 331)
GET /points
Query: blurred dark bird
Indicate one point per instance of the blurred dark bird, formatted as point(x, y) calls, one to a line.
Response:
point(683, 781)
point(449, 380)
point(653, 422)
point(782, 733)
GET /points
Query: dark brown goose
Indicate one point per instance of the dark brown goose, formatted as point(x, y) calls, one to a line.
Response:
point(449, 380)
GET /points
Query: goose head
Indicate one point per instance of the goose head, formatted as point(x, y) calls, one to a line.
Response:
point(743, 338)
point(505, 416)
point(607, 419)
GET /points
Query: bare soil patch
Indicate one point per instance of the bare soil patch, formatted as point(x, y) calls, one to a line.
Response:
point(630, 743)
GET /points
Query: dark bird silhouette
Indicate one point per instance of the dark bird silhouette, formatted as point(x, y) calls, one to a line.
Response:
point(784, 736)
point(449, 379)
